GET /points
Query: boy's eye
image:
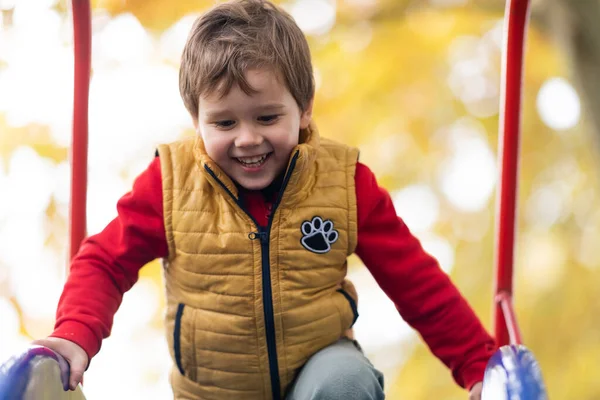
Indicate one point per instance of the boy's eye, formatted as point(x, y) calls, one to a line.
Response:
point(225, 123)
point(268, 118)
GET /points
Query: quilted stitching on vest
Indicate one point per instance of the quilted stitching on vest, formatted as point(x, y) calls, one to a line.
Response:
point(215, 320)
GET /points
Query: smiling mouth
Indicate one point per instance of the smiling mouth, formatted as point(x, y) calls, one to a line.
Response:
point(253, 162)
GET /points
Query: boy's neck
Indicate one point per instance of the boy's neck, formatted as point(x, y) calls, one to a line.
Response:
point(269, 193)
point(274, 187)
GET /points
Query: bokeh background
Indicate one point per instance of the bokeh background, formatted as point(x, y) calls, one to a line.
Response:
point(414, 84)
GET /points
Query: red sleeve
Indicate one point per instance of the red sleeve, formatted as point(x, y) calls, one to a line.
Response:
point(421, 291)
point(108, 263)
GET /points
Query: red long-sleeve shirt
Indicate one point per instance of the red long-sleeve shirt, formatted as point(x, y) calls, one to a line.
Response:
point(108, 263)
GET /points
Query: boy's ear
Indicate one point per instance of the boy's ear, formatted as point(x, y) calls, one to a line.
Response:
point(306, 115)
point(195, 121)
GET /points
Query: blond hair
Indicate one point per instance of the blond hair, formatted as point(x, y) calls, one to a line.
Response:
point(239, 35)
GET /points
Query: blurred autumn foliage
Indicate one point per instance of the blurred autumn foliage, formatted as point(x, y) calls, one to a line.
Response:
point(415, 85)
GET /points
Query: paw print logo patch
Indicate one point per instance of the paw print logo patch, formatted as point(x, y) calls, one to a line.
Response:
point(318, 235)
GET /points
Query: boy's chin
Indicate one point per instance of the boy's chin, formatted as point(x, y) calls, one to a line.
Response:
point(255, 184)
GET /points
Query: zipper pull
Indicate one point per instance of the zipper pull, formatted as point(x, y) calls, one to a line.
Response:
point(269, 209)
point(262, 236)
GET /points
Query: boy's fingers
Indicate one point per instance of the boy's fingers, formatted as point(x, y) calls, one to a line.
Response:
point(72, 353)
point(75, 379)
point(475, 393)
point(77, 369)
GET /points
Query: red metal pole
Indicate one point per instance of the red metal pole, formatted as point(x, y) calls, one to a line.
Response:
point(516, 18)
point(82, 38)
point(512, 327)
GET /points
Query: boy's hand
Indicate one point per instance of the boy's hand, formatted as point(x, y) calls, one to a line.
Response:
point(73, 353)
point(475, 393)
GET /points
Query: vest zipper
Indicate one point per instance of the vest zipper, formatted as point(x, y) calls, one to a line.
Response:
point(268, 312)
point(264, 236)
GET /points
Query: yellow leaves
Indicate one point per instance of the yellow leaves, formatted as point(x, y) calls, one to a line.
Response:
point(155, 15)
point(558, 326)
point(392, 81)
point(392, 78)
point(384, 86)
point(424, 377)
point(36, 136)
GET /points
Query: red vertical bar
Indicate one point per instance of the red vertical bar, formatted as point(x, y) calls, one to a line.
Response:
point(515, 25)
point(82, 38)
point(504, 300)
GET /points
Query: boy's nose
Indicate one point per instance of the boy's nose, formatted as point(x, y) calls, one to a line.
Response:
point(248, 137)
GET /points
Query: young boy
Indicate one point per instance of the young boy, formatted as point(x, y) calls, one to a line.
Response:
point(255, 219)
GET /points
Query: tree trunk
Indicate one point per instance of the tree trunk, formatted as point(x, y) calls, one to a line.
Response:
point(574, 25)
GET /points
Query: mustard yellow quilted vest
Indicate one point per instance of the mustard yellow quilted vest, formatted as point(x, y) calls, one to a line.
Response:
point(247, 306)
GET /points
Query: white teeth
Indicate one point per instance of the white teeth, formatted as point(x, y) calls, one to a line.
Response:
point(252, 161)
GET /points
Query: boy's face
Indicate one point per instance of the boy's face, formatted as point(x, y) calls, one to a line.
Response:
point(251, 136)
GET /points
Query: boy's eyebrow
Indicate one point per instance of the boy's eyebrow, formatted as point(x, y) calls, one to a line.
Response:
point(216, 114)
point(268, 107)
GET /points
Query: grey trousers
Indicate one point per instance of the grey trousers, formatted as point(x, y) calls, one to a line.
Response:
point(338, 372)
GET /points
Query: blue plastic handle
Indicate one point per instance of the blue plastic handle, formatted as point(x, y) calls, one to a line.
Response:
point(513, 373)
point(17, 370)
